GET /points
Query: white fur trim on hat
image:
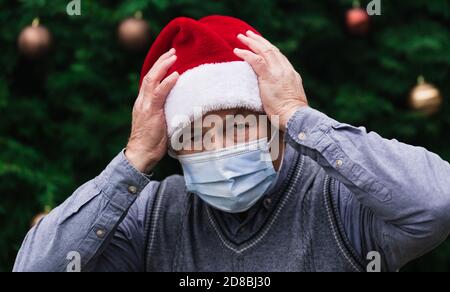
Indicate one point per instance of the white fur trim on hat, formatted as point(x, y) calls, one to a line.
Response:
point(211, 87)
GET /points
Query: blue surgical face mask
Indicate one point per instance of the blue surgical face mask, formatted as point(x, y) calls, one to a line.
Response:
point(231, 179)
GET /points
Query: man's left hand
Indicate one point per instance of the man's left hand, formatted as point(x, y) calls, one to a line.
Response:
point(281, 87)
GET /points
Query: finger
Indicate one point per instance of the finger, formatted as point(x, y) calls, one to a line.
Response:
point(256, 61)
point(162, 58)
point(280, 56)
point(288, 63)
point(267, 52)
point(161, 69)
point(252, 44)
point(148, 85)
point(271, 48)
point(163, 90)
point(259, 39)
point(157, 73)
point(165, 56)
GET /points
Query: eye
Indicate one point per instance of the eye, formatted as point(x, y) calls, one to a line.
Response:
point(195, 138)
point(241, 126)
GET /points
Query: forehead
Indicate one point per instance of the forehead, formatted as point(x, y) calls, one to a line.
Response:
point(232, 112)
point(228, 117)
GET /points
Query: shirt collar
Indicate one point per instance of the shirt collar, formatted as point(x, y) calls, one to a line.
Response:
point(283, 171)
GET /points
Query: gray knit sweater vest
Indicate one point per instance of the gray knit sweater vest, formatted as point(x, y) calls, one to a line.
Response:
point(303, 233)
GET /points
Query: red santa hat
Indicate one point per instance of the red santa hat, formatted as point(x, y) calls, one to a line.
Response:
point(212, 77)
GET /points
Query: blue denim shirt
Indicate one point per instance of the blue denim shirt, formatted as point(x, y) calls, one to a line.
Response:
point(391, 192)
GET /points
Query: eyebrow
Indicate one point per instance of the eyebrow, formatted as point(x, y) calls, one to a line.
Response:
point(226, 118)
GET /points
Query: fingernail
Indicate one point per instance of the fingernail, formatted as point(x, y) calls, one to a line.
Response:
point(241, 35)
point(249, 32)
point(172, 50)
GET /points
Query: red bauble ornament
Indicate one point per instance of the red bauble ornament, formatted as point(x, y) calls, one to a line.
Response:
point(134, 33)
point(34, 41)
point(358, 21)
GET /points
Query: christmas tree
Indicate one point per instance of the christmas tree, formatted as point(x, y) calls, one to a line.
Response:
point(66, 114)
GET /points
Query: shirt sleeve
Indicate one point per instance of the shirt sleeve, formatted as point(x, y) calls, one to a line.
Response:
point(394, 198)
point(94, 220)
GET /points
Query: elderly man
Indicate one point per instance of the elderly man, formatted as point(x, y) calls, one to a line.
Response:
point(333, 198)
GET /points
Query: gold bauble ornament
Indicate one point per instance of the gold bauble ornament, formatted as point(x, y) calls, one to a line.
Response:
point(134, 33)
point(36, 219)
point(34, 41)
point(425, 97)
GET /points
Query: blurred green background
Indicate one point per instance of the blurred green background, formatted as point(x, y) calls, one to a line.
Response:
point(65, 116)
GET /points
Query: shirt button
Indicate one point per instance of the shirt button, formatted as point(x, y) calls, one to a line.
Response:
point(302, 136)
point(339, 163)
point(100, 233)
point(132, 190)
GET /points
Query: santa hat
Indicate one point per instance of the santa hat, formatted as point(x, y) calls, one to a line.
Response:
point(212, 77)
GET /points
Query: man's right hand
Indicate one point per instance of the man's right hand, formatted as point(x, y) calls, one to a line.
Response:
point(148, 140)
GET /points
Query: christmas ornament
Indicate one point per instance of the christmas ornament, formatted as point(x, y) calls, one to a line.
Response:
point(358, 21)
point(134, 33)
point(35, 40)
point(425, 97)
point(36, 219)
